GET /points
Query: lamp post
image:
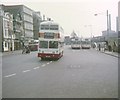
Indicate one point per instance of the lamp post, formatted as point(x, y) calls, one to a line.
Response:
point(107, 30)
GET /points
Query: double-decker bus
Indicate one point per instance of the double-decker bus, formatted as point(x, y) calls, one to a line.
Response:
point(75, 43)
point(51, 40)
point(86, 44)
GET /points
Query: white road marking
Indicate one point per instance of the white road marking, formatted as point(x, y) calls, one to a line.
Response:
point(36, 67)
point(43, 65)
point(26, 71)
point(10, 75)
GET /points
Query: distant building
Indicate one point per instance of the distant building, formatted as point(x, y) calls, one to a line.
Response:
point(7, 33)
point(37, 19)
point(98, 39)
point(67, 40)
point(23, 22)
point(19, 25)
point(111, 33)
point(73, 35)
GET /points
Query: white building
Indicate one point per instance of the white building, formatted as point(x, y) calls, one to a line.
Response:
point(37, 19)
point(6, 30)
point(8, 36)
point(28, 22)
point(26, 18)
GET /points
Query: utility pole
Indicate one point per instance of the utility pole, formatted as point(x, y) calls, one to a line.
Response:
point(107, 29)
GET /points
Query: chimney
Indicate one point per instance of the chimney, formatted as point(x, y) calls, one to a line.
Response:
point(117, 24)
point(109, 22)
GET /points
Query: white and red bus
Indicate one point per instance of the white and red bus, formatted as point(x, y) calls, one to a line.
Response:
point(75, 43)
point(51, 40)
point(86, 43)
point(33, 45)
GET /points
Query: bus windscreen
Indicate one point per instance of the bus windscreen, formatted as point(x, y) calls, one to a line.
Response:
point(53, 44)
point(43, 44)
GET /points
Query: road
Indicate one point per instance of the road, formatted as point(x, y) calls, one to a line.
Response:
point(78, 74)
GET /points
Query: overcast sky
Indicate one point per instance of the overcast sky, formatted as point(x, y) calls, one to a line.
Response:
point(75, 14)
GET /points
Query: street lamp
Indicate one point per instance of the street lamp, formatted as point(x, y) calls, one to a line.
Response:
point(107, 30)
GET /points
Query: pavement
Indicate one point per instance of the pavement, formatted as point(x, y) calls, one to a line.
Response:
point(115, 54)
point(11, 53)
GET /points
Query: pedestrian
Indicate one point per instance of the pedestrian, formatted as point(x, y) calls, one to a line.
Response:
point(24, 49)
point(27, 49)
point(99, 47)
point(114, 47)
point(105, 47)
